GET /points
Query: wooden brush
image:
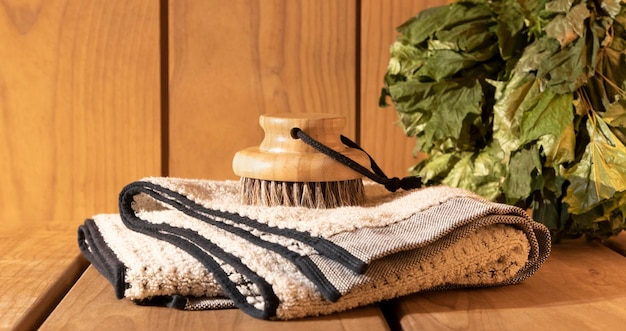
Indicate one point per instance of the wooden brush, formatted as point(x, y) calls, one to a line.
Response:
point(284, 171)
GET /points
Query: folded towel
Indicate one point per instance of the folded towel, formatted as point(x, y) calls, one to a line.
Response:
point(190, 244)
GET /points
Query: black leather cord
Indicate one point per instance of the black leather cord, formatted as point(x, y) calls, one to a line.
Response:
point(391, 184)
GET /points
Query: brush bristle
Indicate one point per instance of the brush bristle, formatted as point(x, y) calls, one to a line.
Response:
point(297, 194)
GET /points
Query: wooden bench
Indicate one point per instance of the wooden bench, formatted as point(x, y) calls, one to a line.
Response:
point(581, 286)
point(37, 268)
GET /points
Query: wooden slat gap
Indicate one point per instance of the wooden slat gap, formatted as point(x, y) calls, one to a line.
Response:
point(164, 81)
point(48, 301)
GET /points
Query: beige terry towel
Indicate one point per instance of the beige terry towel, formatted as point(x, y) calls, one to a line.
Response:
point(190, 244)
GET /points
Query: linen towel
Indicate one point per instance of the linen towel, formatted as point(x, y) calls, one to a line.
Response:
point(190, 244)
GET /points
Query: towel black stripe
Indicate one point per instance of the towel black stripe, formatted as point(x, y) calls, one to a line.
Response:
point(324, 247)
point(304, 263)
point(308, 268)
point(95, 249)
point(198, 246)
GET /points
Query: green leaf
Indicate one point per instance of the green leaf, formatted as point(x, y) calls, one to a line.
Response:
point(600, 174)
point(468, 37)
point(553, 181)
point(547, 211)
point(447, 120)
point(435, 166)
point(559, 149)
point(478, 172)
point(422, 26)
point(447, 104)
point(404, 60)
point(546, 113)
point(568, 69)
point(534, 56)
point(442, 64)
point(522, 87)
point(523, 168)
point(507, 113)
point(534, 16)
point(510, 25)
point(587, 223)
point(445, 63)
point(413, 123)
point(433, 19)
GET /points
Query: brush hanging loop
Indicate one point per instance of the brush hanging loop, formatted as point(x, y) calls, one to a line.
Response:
point(377, 175)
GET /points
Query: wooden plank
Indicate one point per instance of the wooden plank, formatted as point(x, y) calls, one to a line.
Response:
point(79, 105)
point(380, 134)
point(37, 268)
point(580, 287)
point(230, 63)
point(92, 303)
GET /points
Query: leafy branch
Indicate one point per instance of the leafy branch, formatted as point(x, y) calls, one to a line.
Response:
point(521, 101)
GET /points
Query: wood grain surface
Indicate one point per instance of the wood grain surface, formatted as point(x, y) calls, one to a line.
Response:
point(91, 304)
point(580, 287)
point(233, 61)
point(37, 268)
point(79, 106)
point(380, 134)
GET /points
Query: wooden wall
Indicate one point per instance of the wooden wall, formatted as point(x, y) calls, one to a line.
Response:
point(95, 94)
point(79, 106)
point(380, 135)
point(233, 61)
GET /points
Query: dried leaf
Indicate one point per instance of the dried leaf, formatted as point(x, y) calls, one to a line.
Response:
point(615, 114)
point(520, 101)
point(569, 27)
point(559, 149)
point(559, 6)
point(600, 174)
point(612, 7)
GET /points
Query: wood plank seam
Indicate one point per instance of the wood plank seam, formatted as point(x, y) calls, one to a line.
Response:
point(39, 312)
point(164, 77)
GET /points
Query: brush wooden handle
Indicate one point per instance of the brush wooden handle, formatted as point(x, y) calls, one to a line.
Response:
point(281, 157)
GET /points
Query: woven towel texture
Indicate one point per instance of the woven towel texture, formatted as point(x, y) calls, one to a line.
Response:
point(190, 244)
